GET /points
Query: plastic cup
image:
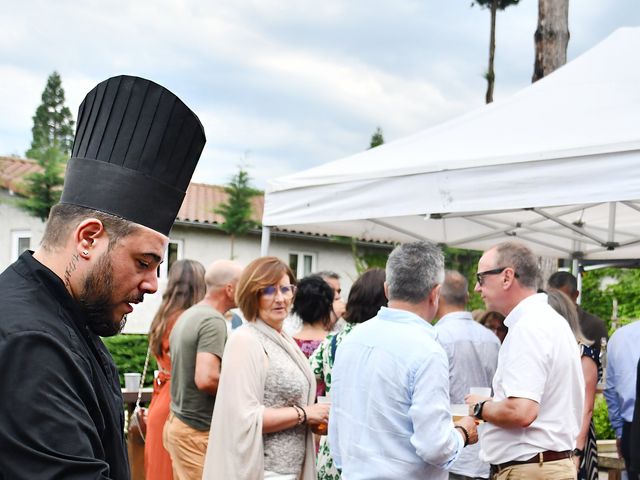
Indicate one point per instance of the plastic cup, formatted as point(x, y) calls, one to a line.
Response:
point(132, 381)
point(481, 391)
point(459, 410)
point(322, 428)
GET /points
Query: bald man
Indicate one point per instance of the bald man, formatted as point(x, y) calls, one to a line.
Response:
point(472, 351)
point(196, 344)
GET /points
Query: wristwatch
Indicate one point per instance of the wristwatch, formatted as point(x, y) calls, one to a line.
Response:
point(477, 409)
point(577, 452)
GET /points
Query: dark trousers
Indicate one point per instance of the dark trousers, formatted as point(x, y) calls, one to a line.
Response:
point(626, 451)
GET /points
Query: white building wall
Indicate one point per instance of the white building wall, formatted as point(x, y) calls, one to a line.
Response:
point(14, 219)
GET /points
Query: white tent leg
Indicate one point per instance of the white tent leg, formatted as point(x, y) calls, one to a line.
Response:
point(264, 243)
point(575, 269)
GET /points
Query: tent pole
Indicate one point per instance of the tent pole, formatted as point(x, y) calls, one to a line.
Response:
point(575, 269)
point(264, 243)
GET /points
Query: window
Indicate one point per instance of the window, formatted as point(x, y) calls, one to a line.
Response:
point(173, 254)
point(20, 241)
point(302, 263)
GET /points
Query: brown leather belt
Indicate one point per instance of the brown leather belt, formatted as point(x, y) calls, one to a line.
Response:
point(546, 456)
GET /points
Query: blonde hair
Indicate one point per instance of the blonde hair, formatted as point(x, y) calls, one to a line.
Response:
point(260, 273)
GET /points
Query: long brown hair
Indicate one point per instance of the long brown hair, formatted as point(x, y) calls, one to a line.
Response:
point(185, 287)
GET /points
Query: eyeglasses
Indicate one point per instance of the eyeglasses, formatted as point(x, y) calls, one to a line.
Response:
point(480, 275)
point(287, 291)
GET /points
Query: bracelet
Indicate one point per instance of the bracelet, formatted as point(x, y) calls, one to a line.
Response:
point(466, 434)
point(301, 419)
point(304, 412)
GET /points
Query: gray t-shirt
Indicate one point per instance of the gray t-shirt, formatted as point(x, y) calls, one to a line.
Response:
point(201, 328)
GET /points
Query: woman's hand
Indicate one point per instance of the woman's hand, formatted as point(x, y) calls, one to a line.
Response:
point(317, 413)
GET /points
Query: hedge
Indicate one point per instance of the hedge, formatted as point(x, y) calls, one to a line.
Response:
point(129, 352)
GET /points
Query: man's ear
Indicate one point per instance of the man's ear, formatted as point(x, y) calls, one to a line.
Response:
point(434, 295)
point(509, 278)
point(88, 236)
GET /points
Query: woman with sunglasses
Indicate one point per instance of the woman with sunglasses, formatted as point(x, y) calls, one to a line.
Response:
point(264, 406)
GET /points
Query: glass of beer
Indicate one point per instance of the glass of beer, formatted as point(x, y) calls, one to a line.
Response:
point(322, 428)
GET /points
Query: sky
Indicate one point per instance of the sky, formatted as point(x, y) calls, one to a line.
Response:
point(282, 85)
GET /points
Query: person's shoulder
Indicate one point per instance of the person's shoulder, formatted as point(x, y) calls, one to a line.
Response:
point(628, 331)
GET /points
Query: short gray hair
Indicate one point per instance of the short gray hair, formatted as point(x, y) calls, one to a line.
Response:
point(454, 289)
point(413, 270)
point(519, 257)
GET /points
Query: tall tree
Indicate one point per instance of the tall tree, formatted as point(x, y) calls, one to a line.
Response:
point(237, 209)
point(43, 188)
point(493, 6)
point(551, 37)
point(376, 139)
point(52, 123)
point(51, 145)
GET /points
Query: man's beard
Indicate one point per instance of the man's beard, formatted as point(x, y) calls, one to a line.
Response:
point(96, 300)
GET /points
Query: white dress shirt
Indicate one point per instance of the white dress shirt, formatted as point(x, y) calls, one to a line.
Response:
point(539, 360)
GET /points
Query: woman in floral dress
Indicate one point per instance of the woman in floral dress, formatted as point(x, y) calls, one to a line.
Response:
point(365, 299)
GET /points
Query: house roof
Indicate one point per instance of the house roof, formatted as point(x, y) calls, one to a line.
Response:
point(202, 199)
point(13, 171)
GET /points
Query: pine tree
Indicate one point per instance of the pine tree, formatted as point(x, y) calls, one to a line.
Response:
point(237, 210)
point(44, 188)
point(493, 6)
point(52, 123)
point(376, 139)
point(50, 147)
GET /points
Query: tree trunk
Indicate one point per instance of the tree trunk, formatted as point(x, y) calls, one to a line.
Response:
point(232, 241)
point(492, 50)
point(551, 37)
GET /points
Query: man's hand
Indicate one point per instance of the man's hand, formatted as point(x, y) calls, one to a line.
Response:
point(469, 424)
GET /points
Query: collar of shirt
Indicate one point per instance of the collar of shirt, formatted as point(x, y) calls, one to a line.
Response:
point(461, 315)
point(404, 316)
point(530, 302)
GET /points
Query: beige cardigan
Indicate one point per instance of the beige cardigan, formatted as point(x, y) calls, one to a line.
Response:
point(235, 448)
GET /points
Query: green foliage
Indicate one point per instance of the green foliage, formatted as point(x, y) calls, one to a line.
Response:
point(52, 122)
point(237, 210)
point(43, 188)
point(129, 352)
point(500, 4)
point(626, 292)
point(377, 138)
point(601, 420)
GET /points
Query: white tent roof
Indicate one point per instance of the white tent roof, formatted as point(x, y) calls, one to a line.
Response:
point(556, 165)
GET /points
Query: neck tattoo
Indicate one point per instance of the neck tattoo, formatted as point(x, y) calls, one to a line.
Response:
point(70, 268)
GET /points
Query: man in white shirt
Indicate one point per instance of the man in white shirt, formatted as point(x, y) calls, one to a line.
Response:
point(472, 351)
point(535, 415)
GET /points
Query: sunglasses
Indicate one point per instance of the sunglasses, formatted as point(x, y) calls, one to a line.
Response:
point(287, 291)
point(480, 275)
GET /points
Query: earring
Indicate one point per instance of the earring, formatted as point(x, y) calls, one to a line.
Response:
point(85, 253)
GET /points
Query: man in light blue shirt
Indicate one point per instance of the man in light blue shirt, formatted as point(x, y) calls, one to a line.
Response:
point(390, 416)
point(472, 351)
point(620, 392)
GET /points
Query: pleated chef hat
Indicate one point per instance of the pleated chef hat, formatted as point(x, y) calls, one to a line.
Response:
point(134, 153)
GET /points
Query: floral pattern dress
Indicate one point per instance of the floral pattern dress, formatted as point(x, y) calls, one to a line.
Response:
point(589, 463)
point(322, 364)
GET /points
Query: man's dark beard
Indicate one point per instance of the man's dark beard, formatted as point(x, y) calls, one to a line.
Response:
point(96, 302)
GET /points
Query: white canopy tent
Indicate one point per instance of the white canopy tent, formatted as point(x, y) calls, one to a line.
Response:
point(556, 165)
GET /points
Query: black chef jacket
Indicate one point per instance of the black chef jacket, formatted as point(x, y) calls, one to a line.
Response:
point(61, 408)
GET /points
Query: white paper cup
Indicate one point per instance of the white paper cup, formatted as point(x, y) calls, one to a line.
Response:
point(132, 381)
point(459, 410)
point(481, 391)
